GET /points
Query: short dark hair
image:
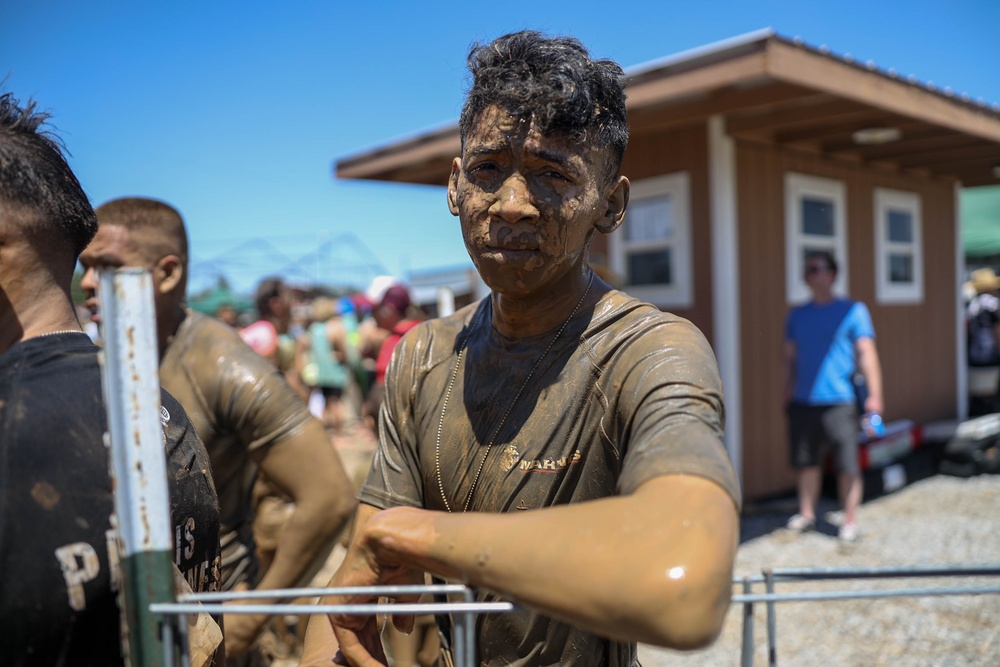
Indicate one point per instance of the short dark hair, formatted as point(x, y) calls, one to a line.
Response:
point(554, 82)
point(267, 290)
point(826, 256)
point(36, 181)
point(160, 225)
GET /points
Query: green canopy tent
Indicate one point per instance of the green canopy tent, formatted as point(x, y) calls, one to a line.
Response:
point(208, 302)
point(981, 221)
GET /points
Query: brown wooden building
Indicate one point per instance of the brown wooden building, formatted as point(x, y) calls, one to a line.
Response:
point(744, 155)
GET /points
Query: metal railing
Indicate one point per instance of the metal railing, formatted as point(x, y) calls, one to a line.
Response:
point(769, 578)
point(462, 613)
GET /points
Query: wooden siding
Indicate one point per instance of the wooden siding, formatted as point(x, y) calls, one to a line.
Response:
point(683, 149)
point(916, 342)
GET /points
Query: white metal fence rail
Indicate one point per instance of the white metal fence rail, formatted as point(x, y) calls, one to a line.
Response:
point(769, 579)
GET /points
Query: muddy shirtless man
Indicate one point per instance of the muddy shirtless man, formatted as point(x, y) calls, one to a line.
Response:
point(558, 443)
point(241, 406)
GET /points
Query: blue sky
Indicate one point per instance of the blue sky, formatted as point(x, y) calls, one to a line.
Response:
point(234, 112)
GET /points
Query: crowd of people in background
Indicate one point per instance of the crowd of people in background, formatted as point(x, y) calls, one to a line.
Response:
point(333, 349)
point(334, 352)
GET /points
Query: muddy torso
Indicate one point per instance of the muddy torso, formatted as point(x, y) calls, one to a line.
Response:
point(627, 393)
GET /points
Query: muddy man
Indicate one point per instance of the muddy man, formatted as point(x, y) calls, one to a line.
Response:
point(245, 412)
point(559, 443)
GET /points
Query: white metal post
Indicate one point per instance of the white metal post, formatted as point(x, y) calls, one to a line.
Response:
point(138, 464)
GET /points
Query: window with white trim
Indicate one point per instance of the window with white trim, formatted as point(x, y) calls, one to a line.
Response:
point(899, 259)
point(814, 220)
point(652, 250)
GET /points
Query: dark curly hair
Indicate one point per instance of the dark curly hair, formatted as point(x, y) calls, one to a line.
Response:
point(37, 184)
point(553, 81)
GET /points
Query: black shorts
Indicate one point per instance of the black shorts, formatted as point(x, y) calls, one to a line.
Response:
point(813, 428)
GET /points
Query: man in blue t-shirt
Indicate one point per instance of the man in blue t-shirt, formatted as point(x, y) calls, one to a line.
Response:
point(827, 341)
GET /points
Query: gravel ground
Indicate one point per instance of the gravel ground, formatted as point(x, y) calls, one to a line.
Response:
point(937, 521)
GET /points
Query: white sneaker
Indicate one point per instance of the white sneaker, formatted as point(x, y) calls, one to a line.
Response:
point(849, 533)
point(800, 524)
point(835, 517)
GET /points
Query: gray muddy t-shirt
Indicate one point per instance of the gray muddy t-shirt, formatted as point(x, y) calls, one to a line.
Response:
point(239, 404)
point(626, 394)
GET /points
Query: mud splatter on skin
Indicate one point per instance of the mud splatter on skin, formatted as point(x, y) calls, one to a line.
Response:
point(528, 202)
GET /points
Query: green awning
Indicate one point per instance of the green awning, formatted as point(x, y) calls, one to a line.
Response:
point(981, 221)
point(208, 302)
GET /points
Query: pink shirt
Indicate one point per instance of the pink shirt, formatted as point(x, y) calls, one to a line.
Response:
point(262, 337)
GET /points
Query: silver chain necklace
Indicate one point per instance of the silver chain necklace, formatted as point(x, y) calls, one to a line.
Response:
point(61, 331)
point(510, 406)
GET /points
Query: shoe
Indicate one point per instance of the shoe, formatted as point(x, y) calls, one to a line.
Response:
point(849, 533)
point(835, 518)
point(800, 524)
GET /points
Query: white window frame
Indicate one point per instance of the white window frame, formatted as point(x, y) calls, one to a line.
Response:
point(886, 291)
point(677, 186)
point(797, 187)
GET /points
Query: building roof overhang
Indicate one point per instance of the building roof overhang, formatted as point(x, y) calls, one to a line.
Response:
point(773, 90)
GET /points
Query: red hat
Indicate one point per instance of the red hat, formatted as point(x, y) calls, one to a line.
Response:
point(397, 296)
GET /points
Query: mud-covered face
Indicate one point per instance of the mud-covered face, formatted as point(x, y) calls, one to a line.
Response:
point(529, 203)
point(113, 247)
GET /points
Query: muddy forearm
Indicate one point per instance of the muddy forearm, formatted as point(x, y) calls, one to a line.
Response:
point(307, 469)
point(654, 567)
point(305, 543)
